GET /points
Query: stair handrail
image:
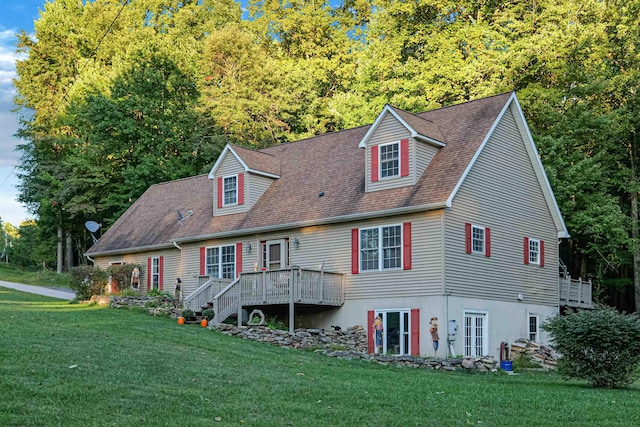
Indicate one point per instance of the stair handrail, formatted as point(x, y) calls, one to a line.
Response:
point(221, 315)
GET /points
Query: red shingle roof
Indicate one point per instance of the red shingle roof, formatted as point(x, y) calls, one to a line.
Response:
point(331, 164)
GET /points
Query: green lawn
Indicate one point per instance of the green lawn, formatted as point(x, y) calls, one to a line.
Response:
point(81, 365)
point(36, 278)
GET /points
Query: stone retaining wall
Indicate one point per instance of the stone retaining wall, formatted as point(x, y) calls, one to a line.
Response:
point(349, 344)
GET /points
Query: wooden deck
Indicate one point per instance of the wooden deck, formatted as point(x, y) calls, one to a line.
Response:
point(575, 293)
point(292, 286)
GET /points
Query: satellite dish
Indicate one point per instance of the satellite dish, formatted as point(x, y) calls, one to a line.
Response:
point(92, 226)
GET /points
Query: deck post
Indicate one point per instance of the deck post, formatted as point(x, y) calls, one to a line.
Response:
point(239, 303)
point(291, 305)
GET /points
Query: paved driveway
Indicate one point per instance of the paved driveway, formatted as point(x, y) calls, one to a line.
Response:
point(48, 292)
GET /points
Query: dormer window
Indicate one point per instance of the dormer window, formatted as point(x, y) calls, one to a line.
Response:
point(390, 160)
point(230, 190)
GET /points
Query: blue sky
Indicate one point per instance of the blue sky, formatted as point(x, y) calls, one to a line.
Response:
point(14, 16)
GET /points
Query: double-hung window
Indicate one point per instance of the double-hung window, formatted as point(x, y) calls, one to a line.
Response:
point(221, 262)
point(155, 273)
point(534, 251)
point(381, 248)
point(390, 160)
point(230, 184)
point(477, 239)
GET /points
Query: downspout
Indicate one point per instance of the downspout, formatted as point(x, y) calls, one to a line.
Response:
point(180, 249)
point(90, 259)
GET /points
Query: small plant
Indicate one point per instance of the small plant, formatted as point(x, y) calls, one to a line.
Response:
point(188, 314)
point(129, 293)
point(208, 314)
point(155, 293)
point(601, 346)
point(151, 304)
point(274, 324)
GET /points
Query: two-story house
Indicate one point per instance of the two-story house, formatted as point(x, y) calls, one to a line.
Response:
point(445, 214)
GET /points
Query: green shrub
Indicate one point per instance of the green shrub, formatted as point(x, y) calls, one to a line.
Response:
point(129, 293)
point(208, 314)
point(188, 314)
point(157, 293)
point(274, 324)
point(88, 281)
point(601, 346)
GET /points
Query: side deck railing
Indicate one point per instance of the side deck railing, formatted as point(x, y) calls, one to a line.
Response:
point(204, 293)
point(576, 292)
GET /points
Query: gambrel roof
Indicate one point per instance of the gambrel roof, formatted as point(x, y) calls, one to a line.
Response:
point(321, 180)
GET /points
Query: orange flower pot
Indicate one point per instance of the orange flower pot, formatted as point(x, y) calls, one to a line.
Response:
point(180, 320)
point(204, 323)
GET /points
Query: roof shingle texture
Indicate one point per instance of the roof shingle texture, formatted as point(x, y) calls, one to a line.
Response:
point(331, 164)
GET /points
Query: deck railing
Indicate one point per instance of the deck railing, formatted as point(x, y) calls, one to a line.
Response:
point(575, 293)
point(302, 285)
point(226, 302)
point(204, 293)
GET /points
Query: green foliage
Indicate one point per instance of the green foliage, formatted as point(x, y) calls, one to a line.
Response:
point(208, 314)
point(275, 324)
point(151, 304)
point(158, 293)
point(188, 314)
point(601, 346)
point(128, 293)
point(88, 281)
point(121, 276)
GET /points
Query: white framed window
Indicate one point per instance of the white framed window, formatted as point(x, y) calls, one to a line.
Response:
point(534, 251)
point(390, 160)
point(533, 322)
point(477, 239)
point(230, 190)
point(221, 262)
point(155, 273)
point(381, 248)
point(476, 328)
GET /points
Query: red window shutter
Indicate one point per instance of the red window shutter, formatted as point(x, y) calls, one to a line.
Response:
point(415, 332)
point(406, 246)
point(241, 189)
point(526, 250)
point(149, 273)
point(355, 259)
point(370, 317)
point(203, 261)
point(541, 253)
point(467, 237)
point(238, 259)
point(404, 157)
point(374, 163)
point(160, 272)
point(220, 192)
point(487, 242)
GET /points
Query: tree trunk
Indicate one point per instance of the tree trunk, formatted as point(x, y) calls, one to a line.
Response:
point(635, 232)
point(68, 261)
point(60, 249)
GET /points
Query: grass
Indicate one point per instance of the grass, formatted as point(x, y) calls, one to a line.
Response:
point(45, 278)
point(81, 365)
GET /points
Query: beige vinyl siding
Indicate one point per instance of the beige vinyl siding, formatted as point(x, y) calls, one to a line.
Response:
point(254, 187)
point(503, 193)
point(170, 266)
point(424, 154)
point(230, 165)
point(390, 130)
point(330, 246)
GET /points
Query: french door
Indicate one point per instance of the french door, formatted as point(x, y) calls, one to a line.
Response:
point(475, 334)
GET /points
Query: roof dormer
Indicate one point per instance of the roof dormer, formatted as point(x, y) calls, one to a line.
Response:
point(240, 177)
point(399, 147)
